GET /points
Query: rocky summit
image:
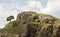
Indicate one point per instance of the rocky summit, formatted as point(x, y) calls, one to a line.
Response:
point(32, 24)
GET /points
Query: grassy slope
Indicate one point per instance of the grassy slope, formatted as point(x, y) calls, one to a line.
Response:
point(9, 27)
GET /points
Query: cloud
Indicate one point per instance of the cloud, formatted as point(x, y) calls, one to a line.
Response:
point(32, 6)
point(13, 0)
point(7, 10)
point(13, 8)
point(1, 9)
point(52, 6)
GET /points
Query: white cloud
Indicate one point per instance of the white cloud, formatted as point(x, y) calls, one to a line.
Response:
point(25, 8)
point(32, 5)
point(13, 0)
point(52, 6)
point(1, 9)
point(7, 10)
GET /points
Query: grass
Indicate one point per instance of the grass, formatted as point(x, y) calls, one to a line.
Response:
point(16, 29)
point(34, 22)
point(57, 22)
point(19, 28)
point(13, 29)
point(39, 23)
point(44, 24)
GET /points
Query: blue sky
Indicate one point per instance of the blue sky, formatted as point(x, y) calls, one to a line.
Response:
point(13, 7)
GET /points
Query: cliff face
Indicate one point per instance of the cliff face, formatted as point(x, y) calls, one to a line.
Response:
point(33, 16)
point(35, 30)
point(31, 24)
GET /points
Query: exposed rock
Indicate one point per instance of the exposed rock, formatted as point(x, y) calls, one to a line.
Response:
point(25, 17)
point(47, 32)
point(50, 21)
point(58, 32)
point(31, 24)
point(30, 30)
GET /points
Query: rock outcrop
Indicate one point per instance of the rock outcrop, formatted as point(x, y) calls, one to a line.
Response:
point(31, 24)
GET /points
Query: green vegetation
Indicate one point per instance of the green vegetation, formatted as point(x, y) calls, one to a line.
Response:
point(10, 18)
point(18, 26)
point(44, 24)
point(34, 22)
point(14, 27)
point(40, 23)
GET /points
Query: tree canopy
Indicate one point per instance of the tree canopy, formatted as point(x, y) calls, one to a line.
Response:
point(10, 18)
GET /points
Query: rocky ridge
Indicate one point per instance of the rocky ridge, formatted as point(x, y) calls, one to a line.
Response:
point(32, 24)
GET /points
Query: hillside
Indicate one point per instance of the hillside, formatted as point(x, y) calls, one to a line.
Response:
point(32, 24)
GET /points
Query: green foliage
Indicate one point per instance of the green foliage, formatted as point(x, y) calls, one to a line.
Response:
point(10, 18)
point(44, 24)
point(14, 27)
point(15, 30)
point(40, 23)
point(57, 22)
point(34, 22)
point(17, 26)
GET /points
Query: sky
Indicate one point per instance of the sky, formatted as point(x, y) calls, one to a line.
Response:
point(13, 7)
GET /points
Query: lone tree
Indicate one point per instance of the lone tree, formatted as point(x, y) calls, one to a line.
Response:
point(10, 18)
